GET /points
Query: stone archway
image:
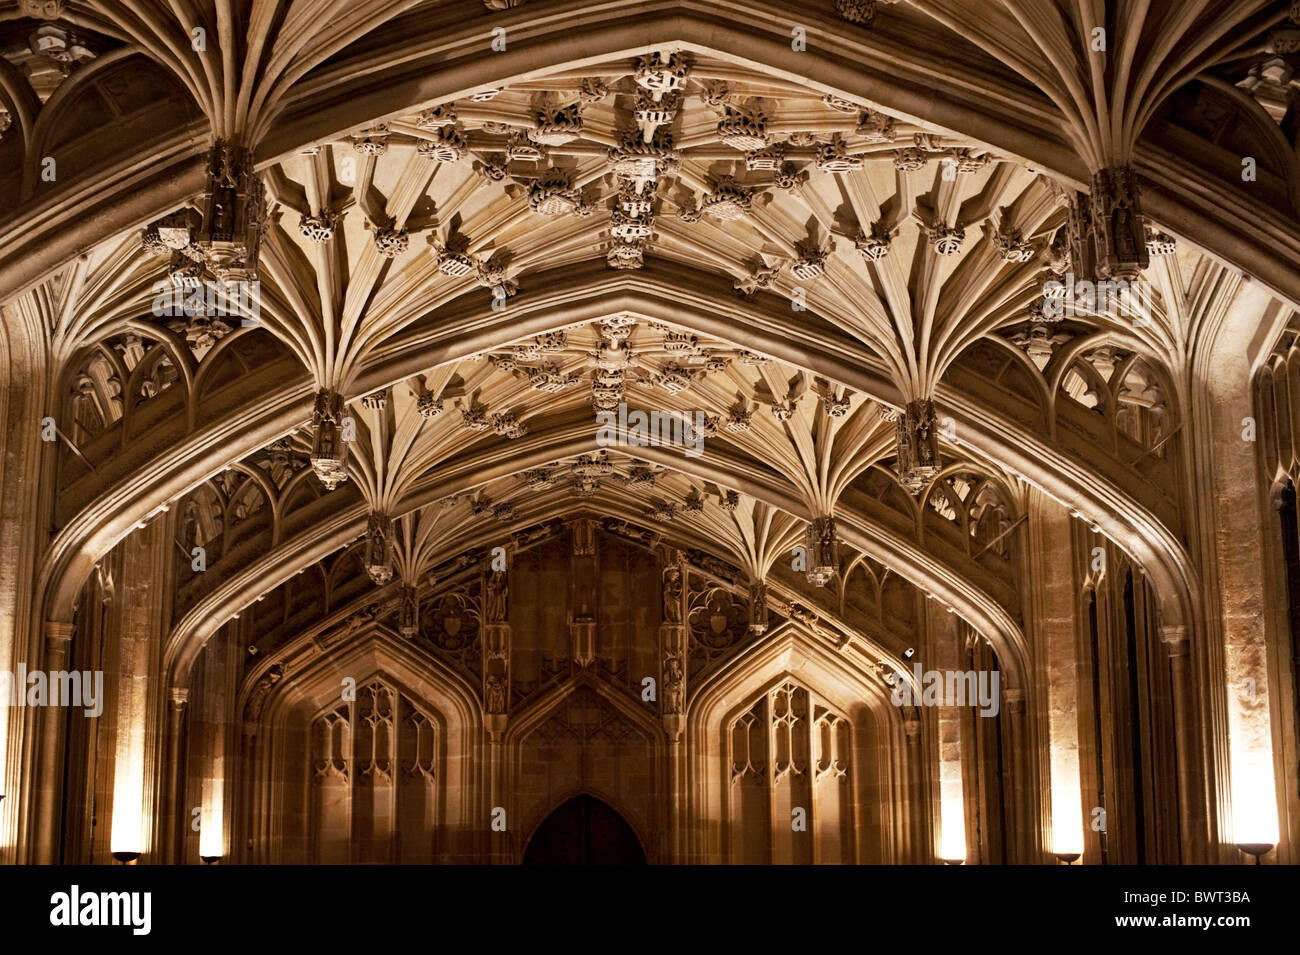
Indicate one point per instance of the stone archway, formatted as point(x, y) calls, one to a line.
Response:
point(584, 831)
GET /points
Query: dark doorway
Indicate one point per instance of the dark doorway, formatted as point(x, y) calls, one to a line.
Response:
point(584, 831)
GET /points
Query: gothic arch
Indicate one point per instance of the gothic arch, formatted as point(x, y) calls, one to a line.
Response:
point(376, 653)
point(879, 743)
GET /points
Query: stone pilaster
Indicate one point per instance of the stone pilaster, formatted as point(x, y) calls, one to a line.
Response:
point(1191, 791)
point(53, 730)
point(174, 779)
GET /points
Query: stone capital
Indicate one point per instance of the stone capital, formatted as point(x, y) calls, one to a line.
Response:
point(1174, 637)
point(58, 633)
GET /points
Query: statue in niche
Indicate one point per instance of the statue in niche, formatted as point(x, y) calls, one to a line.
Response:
point(496, 597)
point(674, 684)
point(495, 693)
point(672, 578)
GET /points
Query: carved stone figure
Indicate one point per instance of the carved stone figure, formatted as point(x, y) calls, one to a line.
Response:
point(672, 578)
point(495, 693)
point(674, 684)
point(496, 597)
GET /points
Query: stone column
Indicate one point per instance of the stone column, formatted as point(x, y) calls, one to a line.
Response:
point(1191, 793)
point(672, 709)
point(1022, 844)
point(175, 779)
point(672, 691)
point(918, 818)
point(53, 723)
point(496, 699)
point(245, 851)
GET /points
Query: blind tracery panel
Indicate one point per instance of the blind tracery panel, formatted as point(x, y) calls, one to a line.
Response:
point(790, 797)
point(373, 780)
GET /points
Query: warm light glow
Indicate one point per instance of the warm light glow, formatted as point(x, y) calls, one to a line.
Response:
point(1254, 794)
point(1250, 745)
point(952, 844)
point(128, 772)
point(1067, 820)
point(211, 837)
point(952, 805)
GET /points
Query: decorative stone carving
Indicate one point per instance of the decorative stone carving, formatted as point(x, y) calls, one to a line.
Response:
point(329, 452)
point(876, 127)
point(555, 127)
point(494, 693)
point(861, 12)
point(672, 592)
point(811, 263)
point(945, 240)
point(234, 215)
point(445, 144)
point(758, 619)
point(493, 169)
point(910, 159)
point(592, 90)
point(727, 199)
point(965, 163)
point(642, 162)
point(739, 419)
point(651, 112)
point(378, 554)
point(918, 445)
point(390, 243)
point(475, 418)
point(833, 157)
point(875, 246)
point(767, 159)
point(729, 500)
point(319, 228)
point(496, 596)
point(409, 613)
point(1011, 246)
point(508, 426)
point(714, 94)
point(662, 511)
point(674, 684)
point(835, 406)
point(626, 255)
point(662, 74)
point(822, 550)
point(371, 142)
point(492, 275)
point(538, 479)
point(258, 695)
point(762, 277)
point(743, 130)
point(41, 9)
point(427, 406)
point(454, 258)
point(1118, 229)
point(629, 228)
point(552, 194)
point(1160, 243)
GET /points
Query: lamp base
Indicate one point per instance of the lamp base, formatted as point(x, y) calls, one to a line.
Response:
point(1256, 849)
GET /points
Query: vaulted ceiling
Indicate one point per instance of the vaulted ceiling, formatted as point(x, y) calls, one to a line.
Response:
point(482, 226)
